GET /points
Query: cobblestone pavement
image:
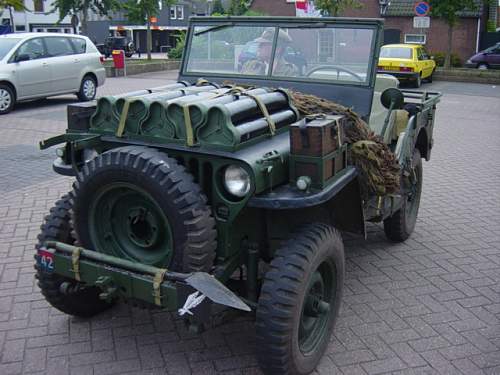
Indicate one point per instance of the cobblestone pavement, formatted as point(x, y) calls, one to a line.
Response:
point(428, 306)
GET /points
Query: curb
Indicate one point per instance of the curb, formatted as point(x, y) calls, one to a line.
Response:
point(143, 68)
point(468, 75)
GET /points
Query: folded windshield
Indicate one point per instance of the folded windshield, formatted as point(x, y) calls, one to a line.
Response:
point(330, 53)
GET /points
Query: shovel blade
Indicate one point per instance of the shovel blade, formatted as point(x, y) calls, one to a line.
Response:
point(214, 290)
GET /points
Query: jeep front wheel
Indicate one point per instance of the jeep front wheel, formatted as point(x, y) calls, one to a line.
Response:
point(77, 298)
point(136, 203)
point(300, 301)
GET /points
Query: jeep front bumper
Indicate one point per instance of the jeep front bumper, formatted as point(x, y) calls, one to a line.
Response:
point(128, 280)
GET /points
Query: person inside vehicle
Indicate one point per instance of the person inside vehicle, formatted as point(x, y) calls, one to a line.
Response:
point(260, 64)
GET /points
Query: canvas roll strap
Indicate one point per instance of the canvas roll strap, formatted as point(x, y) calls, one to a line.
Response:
point(157, 280)
point(263, 109)
point(75, 263)
point(188, 125)
point(123, 118)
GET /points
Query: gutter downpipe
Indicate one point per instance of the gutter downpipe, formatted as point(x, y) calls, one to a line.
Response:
point(478, 33)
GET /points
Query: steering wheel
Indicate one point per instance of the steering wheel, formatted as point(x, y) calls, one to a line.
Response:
point(337, 68)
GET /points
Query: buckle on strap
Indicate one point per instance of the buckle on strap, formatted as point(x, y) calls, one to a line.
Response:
point(157, 280)
point(75, 263)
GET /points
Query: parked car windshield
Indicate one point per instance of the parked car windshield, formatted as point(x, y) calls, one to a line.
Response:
point(322, 53)
point(396, 52)
point(6, 45)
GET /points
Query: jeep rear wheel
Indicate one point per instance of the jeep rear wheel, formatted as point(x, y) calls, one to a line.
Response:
point(78, 299)
point(136, 203)
point(300, 301)
point(401, 224)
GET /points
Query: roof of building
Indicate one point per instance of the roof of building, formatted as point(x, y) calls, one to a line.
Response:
point(406, 8)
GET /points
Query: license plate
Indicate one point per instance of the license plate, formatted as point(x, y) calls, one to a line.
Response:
point(45, 261)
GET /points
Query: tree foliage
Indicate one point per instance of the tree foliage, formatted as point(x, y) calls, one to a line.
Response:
point(237, 7)
point(449, 11)
point(335, 7)
point(74, 7)
point(218, 8)
point(141, 11)
point(17, 5)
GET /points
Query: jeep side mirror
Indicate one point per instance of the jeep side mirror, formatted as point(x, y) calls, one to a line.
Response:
point(22, 57)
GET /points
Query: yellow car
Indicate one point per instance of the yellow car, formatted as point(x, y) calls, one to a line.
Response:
point(407, 62)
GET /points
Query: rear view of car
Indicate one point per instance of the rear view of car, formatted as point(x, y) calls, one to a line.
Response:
point(407, 62)
point(39, 65)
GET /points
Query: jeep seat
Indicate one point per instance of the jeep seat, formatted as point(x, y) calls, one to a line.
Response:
point(378, 114)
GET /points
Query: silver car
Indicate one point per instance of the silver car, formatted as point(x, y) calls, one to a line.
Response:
point(37, 65)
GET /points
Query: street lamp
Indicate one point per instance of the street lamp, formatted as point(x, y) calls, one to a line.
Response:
point(383, 4)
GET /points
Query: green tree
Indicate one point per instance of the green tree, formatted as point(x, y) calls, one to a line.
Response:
point(218, 8)
point(335, 7)
point(141, 11)
point(17, 5)
point(449, 11)
point(84, 7)
point(237, 7)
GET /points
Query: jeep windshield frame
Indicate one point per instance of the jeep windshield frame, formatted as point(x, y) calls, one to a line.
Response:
point(350, 85)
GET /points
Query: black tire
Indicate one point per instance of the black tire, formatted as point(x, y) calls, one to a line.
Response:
point(88, 89)
point(283, 298)
point(400, 226)
point(168, 187)
point(418, 81)
point(85, 301)
point(431, 77)
point(128, 55)
point(7, 99)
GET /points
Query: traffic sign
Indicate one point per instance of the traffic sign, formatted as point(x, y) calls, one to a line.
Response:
point(421, 22)
point(422, 8)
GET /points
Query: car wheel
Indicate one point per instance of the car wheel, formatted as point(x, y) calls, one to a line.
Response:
point(300, 300)
point(88, 89)
point(78, 299)
point(483, 67)
point(401, 224)
point(418, 82)
point(7, 99)
point(431, 77)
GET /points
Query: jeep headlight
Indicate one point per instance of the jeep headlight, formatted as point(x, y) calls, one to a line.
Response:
point(237, 181)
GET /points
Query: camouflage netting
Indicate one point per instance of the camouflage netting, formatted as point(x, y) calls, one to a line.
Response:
point(378, 166)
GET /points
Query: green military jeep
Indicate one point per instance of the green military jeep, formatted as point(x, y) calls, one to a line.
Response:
point(220, 189)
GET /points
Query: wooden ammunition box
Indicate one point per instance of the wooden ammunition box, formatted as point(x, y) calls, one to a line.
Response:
point(317, 149)
point(317, 137)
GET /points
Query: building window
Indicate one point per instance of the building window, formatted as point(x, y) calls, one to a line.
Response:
point(172, 13)
point(20, 28)
point(415, 38)
point(180, 12)
point(38, 6)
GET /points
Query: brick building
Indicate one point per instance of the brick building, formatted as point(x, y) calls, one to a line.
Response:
point(399, 24)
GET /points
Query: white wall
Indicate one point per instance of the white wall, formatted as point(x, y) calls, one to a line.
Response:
point(30, 17)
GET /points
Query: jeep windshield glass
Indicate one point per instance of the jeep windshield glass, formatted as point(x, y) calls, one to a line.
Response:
point(336, 53)
point(6, 45)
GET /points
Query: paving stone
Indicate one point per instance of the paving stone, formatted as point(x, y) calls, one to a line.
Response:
point(430, 305)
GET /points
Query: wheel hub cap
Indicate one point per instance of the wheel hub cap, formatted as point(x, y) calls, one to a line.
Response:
point(315, 317)
point(5, 99)
point(125, 221)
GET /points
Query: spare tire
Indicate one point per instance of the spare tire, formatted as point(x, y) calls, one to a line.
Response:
point(136, 203)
